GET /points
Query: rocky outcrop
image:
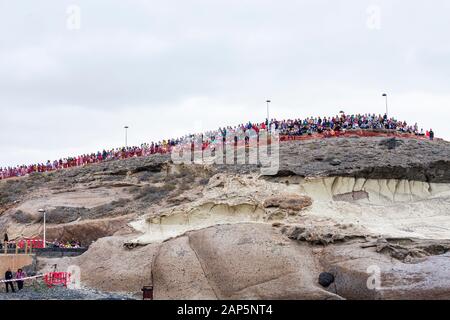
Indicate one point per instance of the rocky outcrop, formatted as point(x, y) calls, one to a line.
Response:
point(243, 261)
point(89, 230)
point(363, 273)
point(322, 234)
point(290, 202)
point(369, 158)
point(348, 208)
point(110, 266)
point(256, 261)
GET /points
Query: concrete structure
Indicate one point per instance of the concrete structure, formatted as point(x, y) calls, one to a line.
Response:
point(59, 252)
point(14, 261)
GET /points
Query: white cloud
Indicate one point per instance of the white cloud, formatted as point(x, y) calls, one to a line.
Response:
point(169, 68)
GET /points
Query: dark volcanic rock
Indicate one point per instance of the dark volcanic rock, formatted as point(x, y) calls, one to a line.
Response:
point(391, 143)
point(325, 279)
point(335, 162)
point(370, 158)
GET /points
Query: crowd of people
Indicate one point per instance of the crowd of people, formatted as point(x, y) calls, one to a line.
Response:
point(54, 244)
point(86, 159)
point(65, 244)
point(325, 126)
point(344, 122)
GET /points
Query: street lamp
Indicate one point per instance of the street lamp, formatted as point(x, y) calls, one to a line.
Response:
point(43, 211)
point(385, 95)
point(126, 136)
point(268, 101)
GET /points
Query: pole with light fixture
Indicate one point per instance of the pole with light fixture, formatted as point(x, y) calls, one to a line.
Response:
point(385, 95)
point(268, 120)
point(126, 136)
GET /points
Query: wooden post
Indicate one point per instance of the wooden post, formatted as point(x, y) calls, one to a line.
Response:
point(5, 245)
point(17, 249)
point(26, 247)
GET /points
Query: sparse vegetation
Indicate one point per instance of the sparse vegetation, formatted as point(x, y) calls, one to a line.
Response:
point(22, 217)
point(65, 214)
point(151, 193)
point(11, 190)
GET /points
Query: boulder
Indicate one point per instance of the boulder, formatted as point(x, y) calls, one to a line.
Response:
point(289, 202)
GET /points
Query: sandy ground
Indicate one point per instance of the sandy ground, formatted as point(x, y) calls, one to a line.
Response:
point(77, 198)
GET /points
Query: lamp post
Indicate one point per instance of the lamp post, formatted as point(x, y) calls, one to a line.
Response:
point(43, 211)
point(126, 136)
point(268, 101)
point(385, 95)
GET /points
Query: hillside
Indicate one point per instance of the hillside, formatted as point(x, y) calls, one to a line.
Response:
point(338, 205)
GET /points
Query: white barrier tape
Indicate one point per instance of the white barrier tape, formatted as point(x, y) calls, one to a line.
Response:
point(26, 278)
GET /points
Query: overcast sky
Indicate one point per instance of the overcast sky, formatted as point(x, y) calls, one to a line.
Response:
point(73, 73)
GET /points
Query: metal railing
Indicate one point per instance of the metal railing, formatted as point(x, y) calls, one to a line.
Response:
point(12, 247)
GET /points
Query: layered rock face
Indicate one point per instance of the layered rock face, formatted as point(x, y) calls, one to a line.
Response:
point(368, 158)
point(374, 212)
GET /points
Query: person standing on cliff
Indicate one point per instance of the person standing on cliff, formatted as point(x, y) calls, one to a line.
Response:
point(9, 276)
point(431, 134)
point(19, 276)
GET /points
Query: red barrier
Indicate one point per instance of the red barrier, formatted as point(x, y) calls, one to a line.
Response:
point(18, 172)
point(34, 243)
point(353, 133)
point(56, 278)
